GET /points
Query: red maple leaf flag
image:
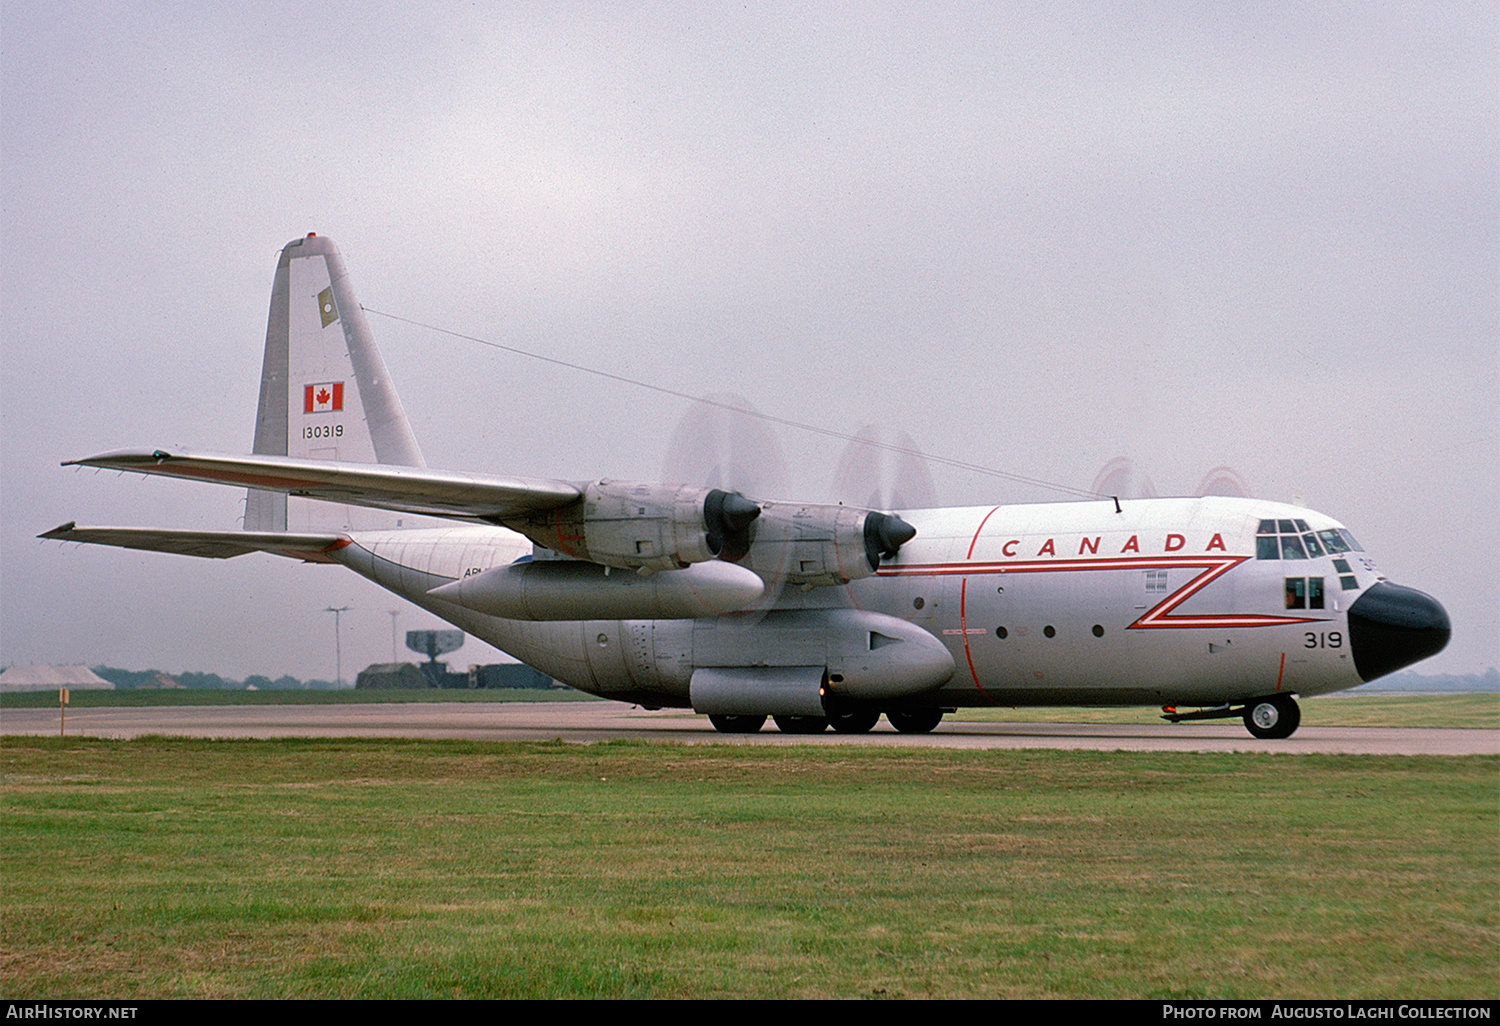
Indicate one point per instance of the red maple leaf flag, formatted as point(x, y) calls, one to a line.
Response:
point(323, 397)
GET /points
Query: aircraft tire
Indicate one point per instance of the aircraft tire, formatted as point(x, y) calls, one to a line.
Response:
point(917, 721)
point(1273, 718)
point(737, 724)
point(860, 721)
point(801, 724)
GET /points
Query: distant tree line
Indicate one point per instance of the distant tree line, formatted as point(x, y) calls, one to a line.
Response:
point(386, 675)
point(141, 679)
point(1417, 683)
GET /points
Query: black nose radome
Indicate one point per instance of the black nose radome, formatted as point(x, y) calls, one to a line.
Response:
point(1392, 626)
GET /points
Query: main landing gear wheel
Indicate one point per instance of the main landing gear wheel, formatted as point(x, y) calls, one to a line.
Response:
point(861, 721)
point(737, 724)
point(918, 721)
point(801, 724)
point(1272, 718)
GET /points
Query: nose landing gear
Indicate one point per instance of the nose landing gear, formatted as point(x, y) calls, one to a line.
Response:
point(1272, 718)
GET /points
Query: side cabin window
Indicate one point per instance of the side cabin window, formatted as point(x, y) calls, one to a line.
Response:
point(1304, 593)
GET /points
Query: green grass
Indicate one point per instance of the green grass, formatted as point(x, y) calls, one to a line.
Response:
point(351, 868)
point(89, 699)
point(1347, 710)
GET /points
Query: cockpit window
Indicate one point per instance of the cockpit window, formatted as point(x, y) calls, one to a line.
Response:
point(1294, 539)
point(1333, 542)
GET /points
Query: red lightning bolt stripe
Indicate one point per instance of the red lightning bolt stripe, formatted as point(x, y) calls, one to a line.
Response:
point(1157, 617)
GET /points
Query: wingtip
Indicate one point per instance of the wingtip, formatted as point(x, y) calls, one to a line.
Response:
point(121, 459)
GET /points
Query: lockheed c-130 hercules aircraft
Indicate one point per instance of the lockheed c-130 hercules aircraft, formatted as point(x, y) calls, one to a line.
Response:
point(744, 607)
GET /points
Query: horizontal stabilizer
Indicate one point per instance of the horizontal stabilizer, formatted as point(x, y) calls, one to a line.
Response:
point(311, 548)
point(417, 490)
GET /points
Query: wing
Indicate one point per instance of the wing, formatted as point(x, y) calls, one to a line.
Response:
point(418, 490)
point(311, 548)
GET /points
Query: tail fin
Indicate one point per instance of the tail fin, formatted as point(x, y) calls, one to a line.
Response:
point(325, 392)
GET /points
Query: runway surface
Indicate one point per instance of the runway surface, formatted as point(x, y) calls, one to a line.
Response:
point(586, 722)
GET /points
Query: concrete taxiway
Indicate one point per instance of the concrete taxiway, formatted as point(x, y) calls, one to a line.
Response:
point(586, 722)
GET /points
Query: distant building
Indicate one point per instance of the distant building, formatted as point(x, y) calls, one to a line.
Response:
point(385, 676)
point(510, 675)
point(160, 680)
point(436, 675)
point(50, 678)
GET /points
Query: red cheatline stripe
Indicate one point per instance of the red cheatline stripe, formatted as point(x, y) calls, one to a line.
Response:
point(1058, 565)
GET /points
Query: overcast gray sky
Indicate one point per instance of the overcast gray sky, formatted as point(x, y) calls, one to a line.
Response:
point(1035, 237)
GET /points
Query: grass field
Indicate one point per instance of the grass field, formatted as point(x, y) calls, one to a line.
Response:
point(347, 696)
point(348, 868)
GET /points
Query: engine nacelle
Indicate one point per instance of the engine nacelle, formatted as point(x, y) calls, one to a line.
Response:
point(647, 527)
point(812, 545)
